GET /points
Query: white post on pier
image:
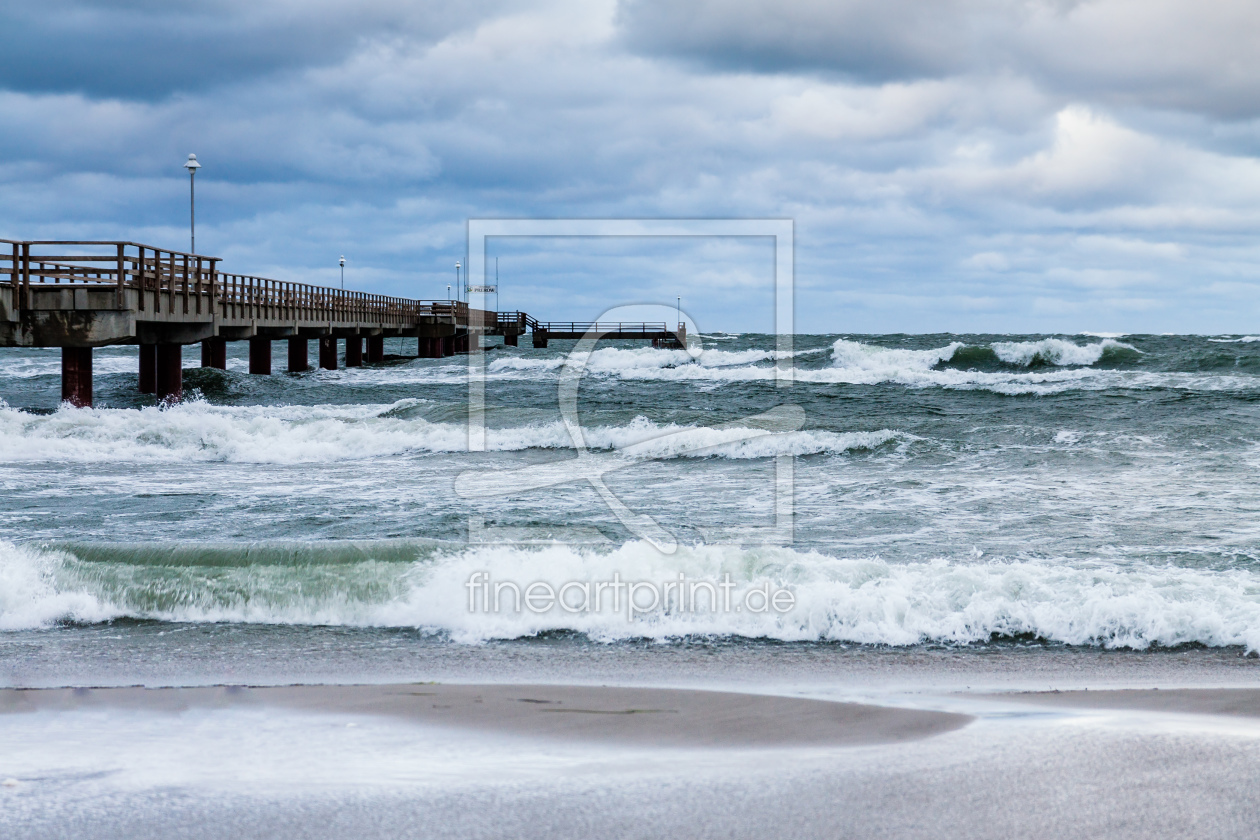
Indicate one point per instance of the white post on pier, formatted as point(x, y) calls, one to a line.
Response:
point(192, 166)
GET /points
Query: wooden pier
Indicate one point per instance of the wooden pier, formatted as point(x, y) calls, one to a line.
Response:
point(81, 295)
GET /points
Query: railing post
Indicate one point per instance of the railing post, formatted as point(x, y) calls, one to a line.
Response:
point(215, 291)
point(122, 278)
point(197, 284)
point(25, 293)
point(140, 276)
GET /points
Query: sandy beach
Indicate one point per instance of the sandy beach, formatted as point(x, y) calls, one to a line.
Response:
point(1232, 702)
point(586, 714)
point(533, 759)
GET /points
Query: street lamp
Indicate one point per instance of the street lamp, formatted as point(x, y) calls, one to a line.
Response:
point(457, 278)
point(448, 292)
point(192, 166)
point(343, 273)
point(678, 310)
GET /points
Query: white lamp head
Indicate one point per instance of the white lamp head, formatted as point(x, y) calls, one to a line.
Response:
point(191, 165)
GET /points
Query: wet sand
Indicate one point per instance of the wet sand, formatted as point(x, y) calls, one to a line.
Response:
point(640, 716)
point(547, 761)
point(540, 757)
point(1233, 702)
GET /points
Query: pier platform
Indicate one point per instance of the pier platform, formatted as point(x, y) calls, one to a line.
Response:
point(78, 295)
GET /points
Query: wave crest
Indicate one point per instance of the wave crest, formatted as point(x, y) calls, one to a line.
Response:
point(1056, 351)
point(198, 431)
point(857, 600)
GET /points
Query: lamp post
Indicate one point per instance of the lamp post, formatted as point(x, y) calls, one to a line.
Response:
point(678, 309)
point(448, 292)
point(192, 166)
point(457, 291)
point(343, 273)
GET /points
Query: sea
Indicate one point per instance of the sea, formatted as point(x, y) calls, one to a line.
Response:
point(911, 495)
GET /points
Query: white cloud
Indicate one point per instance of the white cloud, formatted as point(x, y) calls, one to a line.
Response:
point(836, 112)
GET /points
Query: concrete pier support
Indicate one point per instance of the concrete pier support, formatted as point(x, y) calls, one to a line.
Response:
point(375, 349)
point(430, 348)
point(354, 352)
point(76, 376)
point(510, 340)
point(170, 371)
point(540, 338)
point(260, 355)
point(297, 355)
point(148, 368)
point(214, 353)
point(328, 353)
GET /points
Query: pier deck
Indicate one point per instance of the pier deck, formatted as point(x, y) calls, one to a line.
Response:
point(78, 295)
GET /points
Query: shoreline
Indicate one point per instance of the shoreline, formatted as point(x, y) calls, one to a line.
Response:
point(656, 717)
point(1216, 702)
point(264, 655)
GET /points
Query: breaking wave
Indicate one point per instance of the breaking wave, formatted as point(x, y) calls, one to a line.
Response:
point(1047, 365)
point(199, 431)
point(1053, 352)
point(1056, 351)
point(424, 586)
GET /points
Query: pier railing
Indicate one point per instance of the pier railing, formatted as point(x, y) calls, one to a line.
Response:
point(192, 283)
point(602, 327)
point(168, 282)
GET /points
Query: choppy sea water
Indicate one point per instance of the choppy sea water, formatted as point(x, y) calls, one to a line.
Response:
point(966, 490)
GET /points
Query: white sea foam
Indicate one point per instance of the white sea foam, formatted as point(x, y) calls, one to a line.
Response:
point(1069, 366)
point(27, 365)
point(858, 600)
point(198, 431)
point(30, 595)
point(857, 363)
point(888, 361)
point(1060, 365)
point(638, 361)
point(1054, 351)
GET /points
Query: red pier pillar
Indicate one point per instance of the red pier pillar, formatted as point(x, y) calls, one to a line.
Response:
point(214, 353)
point(375, 349)
point(354, 352)
point(328, 353)
point(260, 355)
point(297, 355)
point(170, 372)
point(76, 376)
point(148, 368)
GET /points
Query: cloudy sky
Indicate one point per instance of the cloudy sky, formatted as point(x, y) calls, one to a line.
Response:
point(950, 165)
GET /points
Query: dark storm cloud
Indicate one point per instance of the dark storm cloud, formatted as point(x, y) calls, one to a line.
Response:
point(863, 40)
point(1198, 57)
point(146, 49)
